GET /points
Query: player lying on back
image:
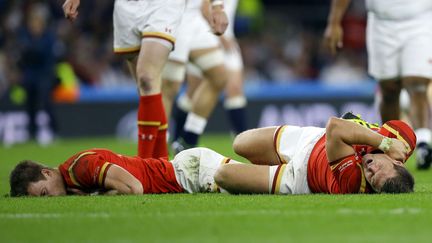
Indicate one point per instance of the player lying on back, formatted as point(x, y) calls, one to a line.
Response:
point(100, 171)
point(345, 157)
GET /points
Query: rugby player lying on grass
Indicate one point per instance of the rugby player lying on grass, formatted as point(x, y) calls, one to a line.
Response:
point(101, 171)
point(303, 153)
point(345, 157)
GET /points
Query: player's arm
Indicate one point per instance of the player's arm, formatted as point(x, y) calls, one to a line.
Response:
point(333, 33)
point(213, 11)
point(257, 146)
point(120, 181)
point(70, 9)
point(342, 134)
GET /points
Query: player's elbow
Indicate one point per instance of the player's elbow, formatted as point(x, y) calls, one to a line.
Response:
point(332, 127)
point(136, 189)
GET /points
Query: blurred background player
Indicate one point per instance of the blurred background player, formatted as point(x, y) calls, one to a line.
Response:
point(235, 101)
point(144, 32)
point(197, 43)
point(399, 34)
point(36, 42)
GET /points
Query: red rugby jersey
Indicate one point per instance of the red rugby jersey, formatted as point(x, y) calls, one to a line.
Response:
point(338, 177)
point(87, 171)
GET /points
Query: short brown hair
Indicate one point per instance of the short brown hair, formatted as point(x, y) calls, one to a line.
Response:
point(403, 182)
point(22, 175)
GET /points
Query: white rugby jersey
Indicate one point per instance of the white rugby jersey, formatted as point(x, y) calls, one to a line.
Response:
point(398, 9)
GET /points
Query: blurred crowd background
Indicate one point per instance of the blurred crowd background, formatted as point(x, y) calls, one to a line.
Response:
point(280, 42)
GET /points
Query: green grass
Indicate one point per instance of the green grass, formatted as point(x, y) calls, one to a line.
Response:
point(206, 217)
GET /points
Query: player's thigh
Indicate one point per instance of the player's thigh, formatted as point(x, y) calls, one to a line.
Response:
point(383, 49)
point(152, 58)
point(257, 145)
point(243, 178)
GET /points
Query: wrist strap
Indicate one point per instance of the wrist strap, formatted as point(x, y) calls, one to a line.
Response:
point(385, 144)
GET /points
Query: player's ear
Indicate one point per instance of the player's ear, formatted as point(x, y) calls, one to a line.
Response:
point(46, 172)
point(400, 163)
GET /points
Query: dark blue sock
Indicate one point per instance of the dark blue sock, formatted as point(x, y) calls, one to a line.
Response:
point(179, 117)
point(190, 138)
point(237, 118)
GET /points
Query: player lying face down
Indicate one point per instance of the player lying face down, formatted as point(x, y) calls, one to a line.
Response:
point(100, 171)
point(345, 157)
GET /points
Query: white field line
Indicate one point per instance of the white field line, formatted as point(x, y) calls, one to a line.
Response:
point(265, 212)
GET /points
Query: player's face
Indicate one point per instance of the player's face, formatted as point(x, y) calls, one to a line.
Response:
point(378, 168)
point(53, 185)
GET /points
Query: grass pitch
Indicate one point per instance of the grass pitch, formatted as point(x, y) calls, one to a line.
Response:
point(206, 217)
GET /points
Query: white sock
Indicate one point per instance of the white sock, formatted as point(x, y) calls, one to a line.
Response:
point(424, 135)
point(184, 103)
point(195, 123)
point(235, 102)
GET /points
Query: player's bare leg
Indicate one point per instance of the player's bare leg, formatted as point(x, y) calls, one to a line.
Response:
point(235, 101)
point(173, 76)
point(243, 178)
point(152, 122)
point(262, 142)
point(210, 61)
point(183, 103)
point(390, 93)
point(419, 115)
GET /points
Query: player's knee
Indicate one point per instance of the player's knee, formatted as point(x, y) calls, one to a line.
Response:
point(222, 175)
point(239, 146)
point(417, 90)
point(145, 83)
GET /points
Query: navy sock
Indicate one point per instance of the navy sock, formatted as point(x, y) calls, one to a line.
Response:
point(237, 117)
point(190, 138)
point(179, 117)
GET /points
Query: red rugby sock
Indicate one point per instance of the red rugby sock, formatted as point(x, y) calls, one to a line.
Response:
point(150, 111)
point(161, 149)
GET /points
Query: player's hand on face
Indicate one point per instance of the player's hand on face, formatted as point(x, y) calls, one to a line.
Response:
point(70, 9)
point(218, 20)
point(333, 38)
point(398, 150)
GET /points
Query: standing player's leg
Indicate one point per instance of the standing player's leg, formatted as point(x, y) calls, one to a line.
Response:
point(389, 106)
point(183, 103)
point(152, 121)
point(148, 28)
point(205, 98)
point(235, 101)
point(416, 70)
point(419, 115)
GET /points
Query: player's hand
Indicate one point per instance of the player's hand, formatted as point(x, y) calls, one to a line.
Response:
point(398, 150)
point(218, 20)
point(333, 38)
point(70, 9)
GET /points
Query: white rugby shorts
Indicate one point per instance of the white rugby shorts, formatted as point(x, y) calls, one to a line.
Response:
point(293, 146)
point(195, 169)
point(134, 20)
point(399, 48)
